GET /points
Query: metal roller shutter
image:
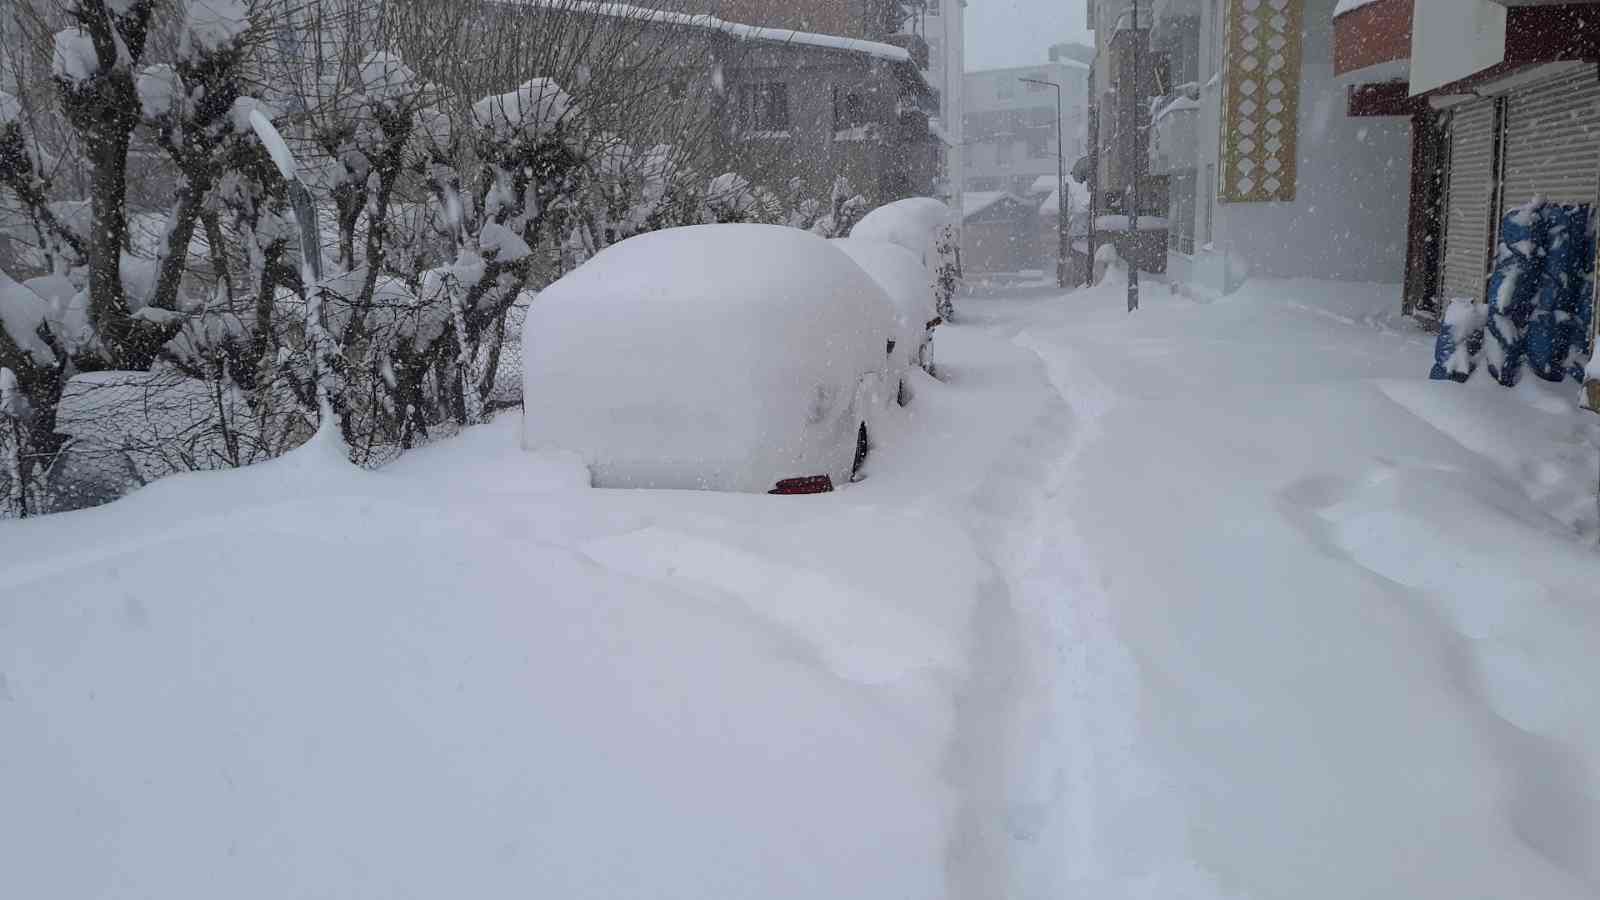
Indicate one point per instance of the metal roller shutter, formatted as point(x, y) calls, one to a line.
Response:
point(1552, 142)
point(1469, 195)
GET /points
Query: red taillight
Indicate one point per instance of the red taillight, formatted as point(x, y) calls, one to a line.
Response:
point(811, 484)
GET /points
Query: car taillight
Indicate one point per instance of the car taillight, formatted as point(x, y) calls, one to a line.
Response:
point(810, 484)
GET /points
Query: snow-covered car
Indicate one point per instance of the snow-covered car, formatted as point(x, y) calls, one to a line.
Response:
point(717, 357)
point(905, 280)
point(925, 227)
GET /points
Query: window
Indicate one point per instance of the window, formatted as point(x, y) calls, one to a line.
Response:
point(764, 106)
point(677, 90)
point(977, 185)
point(933, 7)
point(849, 109)
point(1004, 153)
point(1039, 145)
point(1180, 222)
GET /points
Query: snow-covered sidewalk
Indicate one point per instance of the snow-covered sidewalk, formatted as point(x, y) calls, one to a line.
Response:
point(1214, 600)
point(470, 675)
point(1363, 606)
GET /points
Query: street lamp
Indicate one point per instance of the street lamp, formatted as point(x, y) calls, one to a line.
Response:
point(1061, 186)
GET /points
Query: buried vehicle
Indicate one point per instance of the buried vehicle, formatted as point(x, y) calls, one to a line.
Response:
point(714, 357)
point(905, 281)
point(925, 227)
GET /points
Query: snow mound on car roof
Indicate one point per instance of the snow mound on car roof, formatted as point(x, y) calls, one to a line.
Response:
point(730, 350)
point(911, 223)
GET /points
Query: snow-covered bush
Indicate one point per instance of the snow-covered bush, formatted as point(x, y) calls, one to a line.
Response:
point(451, 153)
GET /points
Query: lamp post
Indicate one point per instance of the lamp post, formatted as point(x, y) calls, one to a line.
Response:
point(1061, 186)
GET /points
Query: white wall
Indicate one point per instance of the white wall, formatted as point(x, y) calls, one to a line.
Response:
point(1348, 219)
point(1451, 39)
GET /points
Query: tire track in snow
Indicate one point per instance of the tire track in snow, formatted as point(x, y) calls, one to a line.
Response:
point(1060, 799)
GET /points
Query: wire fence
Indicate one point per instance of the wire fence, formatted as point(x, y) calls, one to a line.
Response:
point(124, 430)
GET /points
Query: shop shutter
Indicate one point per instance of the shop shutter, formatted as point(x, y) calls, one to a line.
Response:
point(1552, 142)
point(1468, 198)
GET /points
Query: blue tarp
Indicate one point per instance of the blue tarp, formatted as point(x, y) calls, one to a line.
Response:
point(1541, 300)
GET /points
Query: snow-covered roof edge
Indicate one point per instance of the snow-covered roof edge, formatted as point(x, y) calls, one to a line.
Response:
point(883, 51)
point(1350, 6)
point(974, 202)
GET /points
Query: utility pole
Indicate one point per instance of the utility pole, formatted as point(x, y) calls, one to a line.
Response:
point(1061, 186)
point(1129, 129)
point(1094, 172)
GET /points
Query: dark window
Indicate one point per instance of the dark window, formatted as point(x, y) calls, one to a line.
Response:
point(764, 106)
point(849, 109)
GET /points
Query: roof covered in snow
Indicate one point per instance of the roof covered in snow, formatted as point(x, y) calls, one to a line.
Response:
point(876, 49)
point(974, 202)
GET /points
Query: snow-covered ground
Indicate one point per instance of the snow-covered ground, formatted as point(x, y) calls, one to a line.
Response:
point(1214, 600)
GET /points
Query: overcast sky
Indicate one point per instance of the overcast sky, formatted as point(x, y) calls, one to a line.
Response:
point(1019, 32)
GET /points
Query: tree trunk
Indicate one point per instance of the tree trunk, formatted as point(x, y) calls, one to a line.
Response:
point(108, 305)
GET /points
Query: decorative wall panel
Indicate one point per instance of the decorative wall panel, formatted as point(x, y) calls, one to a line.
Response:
point(1261, 100)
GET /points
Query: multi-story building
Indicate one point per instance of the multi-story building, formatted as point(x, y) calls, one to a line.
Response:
point(790, 111)
point(933, 31)
point(1010, 124)
point(943, 24)
point(1246, 132)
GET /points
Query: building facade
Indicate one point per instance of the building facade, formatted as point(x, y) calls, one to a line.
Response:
point(814, 113)
point(1504, 107)
point(1010, 124)
point(1265, 170)
point(791, 111)
point(943, 24)
point(932, 31)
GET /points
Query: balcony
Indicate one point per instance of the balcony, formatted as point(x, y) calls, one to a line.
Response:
point(1175, 135)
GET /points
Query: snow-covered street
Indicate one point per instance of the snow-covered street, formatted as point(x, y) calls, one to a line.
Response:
point(1213, 600)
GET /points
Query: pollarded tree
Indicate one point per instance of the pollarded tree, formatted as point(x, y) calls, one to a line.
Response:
point(96, 304)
